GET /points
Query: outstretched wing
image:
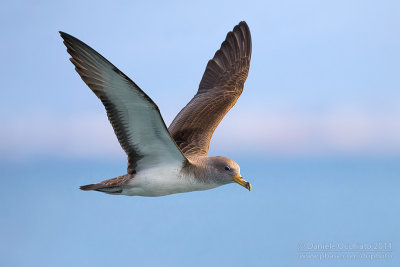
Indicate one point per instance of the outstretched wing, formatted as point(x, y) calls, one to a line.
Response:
point(219, 89)
point(136, 119)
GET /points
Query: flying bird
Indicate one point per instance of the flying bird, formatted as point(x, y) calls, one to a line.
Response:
point(161, 160)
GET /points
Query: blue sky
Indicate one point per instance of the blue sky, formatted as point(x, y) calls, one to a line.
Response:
point(316, 131)
point(323, 79)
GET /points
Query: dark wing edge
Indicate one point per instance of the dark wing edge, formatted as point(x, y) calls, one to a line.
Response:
point(230, 64)
point(220, 87)
point(101, 76)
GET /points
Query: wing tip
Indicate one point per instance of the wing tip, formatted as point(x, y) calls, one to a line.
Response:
point(244, 35)
point(243, 23)
point(64, 35)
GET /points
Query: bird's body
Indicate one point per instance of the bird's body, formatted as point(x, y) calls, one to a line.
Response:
point(161, 160)
point(165, 180)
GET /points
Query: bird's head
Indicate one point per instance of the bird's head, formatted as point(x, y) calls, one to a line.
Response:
point(227, 171)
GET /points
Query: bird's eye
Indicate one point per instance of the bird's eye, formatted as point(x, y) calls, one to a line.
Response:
point(227, 168)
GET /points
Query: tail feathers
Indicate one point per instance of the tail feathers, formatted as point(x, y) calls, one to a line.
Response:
point(89, 187)
point(102, 188)
point(111, 186)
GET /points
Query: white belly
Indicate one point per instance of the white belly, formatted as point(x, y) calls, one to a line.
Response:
point(161, 181)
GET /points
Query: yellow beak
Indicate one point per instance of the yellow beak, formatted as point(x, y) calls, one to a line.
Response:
point(239, 179)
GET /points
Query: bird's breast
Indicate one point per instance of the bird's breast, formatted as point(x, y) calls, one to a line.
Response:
point(164, 180)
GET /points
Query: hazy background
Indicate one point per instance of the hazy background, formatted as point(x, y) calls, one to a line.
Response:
point(316, 131)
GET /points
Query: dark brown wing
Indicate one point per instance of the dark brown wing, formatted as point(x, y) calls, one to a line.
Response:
point(136, 119)
point(219, 89)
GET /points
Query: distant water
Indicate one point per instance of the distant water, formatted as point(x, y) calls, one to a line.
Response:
point(301, 212)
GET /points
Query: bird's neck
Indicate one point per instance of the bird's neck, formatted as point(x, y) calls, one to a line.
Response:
point(198, 168)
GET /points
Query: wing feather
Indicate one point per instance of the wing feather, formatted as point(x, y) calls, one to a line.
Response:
point(135, 118)
point(219, 89)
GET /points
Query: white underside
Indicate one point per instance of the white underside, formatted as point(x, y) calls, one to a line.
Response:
point(163, 180)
